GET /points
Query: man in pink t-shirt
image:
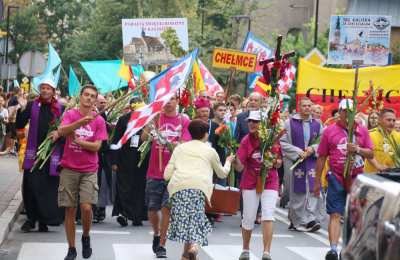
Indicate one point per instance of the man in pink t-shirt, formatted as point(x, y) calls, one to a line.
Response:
point(84, 133)
point(174, 128)
point(334, 145)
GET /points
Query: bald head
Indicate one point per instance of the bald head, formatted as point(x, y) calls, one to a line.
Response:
point(101, 102)
point(255, 100)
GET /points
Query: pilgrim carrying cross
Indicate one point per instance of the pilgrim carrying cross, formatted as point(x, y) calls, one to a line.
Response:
point(272, 74)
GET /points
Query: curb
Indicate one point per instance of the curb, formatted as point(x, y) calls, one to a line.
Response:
point(9, 216)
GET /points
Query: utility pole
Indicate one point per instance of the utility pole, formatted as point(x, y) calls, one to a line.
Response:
point(8, 29)
point(316, 23)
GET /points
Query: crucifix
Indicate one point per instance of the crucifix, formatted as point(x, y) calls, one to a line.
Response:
point(272, 73)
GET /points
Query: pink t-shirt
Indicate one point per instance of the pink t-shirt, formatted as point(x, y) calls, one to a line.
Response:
point(75, 158)
point(250, 156)
point(334, 144)
point(174, 129)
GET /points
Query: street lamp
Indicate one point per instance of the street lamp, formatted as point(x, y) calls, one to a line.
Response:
point(237, 19)
point(8, 29)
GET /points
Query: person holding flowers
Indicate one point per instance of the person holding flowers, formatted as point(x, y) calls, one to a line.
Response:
point(299, 145)
point(251, 162)
point(334, 144)
point(386, 143)
point(39, 186)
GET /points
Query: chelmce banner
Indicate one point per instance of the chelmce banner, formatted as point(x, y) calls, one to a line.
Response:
point(327, 86)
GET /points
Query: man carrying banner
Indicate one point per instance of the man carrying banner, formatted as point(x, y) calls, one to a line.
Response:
point(384, 138)
point(300, 143)
point(84, 132)
point(173, 128)
point(334, 145)
point(41, 113)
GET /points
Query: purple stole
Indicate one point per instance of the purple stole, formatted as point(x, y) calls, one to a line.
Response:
point(307, 167)
point(31, 147)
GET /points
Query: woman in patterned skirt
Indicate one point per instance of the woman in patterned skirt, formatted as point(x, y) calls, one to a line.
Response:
point(190, 173)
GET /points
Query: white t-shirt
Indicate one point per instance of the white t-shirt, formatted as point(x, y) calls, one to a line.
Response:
point(3, 113)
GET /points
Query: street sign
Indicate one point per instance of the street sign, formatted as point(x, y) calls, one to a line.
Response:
point(315, 57)
point(8, 71)
point(32, 63)
point(232, 59)
point(3, 46)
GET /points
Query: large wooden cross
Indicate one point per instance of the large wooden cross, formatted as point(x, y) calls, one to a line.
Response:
point(272, 75)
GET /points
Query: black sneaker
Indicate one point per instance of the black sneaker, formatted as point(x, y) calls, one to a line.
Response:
point(137, 223)
point(156, 243)
point(331, 255)
point(27, 226)
point(161, 252)
point(43, 228)
point(123, 221)
point(86, 249)
point(313, 226)
point(71, 255)
point(292, 227)
point(101, 214)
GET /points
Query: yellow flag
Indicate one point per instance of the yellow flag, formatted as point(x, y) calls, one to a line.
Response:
point(198, 79)
point(125, 71)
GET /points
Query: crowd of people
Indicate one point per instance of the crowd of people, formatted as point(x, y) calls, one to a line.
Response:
point(170, 184)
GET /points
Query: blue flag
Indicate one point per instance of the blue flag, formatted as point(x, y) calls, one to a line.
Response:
point(73, 83)
point(104, 74)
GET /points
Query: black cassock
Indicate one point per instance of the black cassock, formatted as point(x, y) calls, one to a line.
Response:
point(131, 179)
point(39, 189)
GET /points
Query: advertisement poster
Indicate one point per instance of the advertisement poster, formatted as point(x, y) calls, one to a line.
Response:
point(363, 38)
point(143, 44)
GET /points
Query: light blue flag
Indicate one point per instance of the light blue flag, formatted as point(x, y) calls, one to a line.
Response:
point(16, 83)
point(73, 83)
point(52, 70)
point(104, 74)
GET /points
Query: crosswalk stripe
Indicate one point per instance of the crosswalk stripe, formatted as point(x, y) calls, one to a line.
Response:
point(225, 252)
point(126, 251)
point(106, 232)
point(33, 251)
point(309, 253)
point(260, 235)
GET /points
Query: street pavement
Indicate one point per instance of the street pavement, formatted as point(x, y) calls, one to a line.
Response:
point(10, 180)
point(112, 242)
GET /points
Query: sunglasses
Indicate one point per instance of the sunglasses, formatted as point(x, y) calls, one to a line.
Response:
point(253, 121)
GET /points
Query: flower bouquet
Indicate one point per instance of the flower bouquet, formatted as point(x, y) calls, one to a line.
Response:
point(227, 141)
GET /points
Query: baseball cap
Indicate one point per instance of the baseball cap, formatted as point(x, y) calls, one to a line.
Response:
point(346, 103)
point(254, 115)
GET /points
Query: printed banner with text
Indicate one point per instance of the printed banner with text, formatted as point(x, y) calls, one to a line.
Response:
point(326, 86)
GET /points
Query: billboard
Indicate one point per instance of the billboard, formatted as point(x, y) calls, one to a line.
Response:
point(363, 38)
point(142, 42)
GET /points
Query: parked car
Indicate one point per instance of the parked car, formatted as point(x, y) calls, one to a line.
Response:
point(371, 228)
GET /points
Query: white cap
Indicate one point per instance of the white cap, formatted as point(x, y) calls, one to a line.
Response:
point(346, 103)
point(254, 115)
point(49, 82)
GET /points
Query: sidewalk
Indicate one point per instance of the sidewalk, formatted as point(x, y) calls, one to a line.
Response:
point(10, 194)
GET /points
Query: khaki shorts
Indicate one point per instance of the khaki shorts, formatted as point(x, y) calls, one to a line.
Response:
point(73, 184)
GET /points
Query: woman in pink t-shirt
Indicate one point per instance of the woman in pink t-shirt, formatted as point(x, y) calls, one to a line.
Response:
point(249, 161)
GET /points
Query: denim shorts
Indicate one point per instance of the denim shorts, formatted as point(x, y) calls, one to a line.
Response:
point(156, 194)
point(336, 196)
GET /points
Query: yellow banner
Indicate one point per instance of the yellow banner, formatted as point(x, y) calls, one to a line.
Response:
point(231, 59)
point(326, 86)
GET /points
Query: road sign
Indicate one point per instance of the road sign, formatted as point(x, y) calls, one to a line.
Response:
point(232, 59)
point(8, 71)
point(3, 46)
point(315, 57)
point(32, 63)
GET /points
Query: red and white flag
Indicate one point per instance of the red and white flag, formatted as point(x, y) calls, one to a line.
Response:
point(164, 86)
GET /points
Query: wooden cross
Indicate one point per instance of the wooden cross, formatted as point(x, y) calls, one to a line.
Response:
point(272, 74)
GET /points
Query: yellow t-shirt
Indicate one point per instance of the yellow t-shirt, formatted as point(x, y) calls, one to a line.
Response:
point(383, 151)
